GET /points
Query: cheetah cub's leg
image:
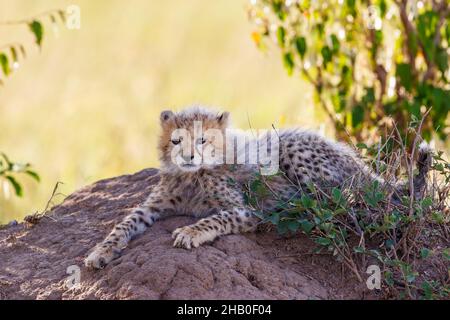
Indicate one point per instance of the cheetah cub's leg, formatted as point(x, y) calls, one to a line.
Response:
point(132, 225)
point(236, 220)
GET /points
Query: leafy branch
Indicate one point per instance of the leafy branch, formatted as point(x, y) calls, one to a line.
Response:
point(10, 169)
point(368, 61)
point(10, 53)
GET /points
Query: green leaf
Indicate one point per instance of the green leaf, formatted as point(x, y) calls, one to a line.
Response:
point(33, 174)
point(307, 201)
point(403, 73)
point(335, 43)
point(281, 34)
point(306, 226)
point(288, 61)
point(426, 203)
point(277, 7)
point(326, 55)
point(446, 253)
point(274, 218)
point(5, 64)
point(438, 217)
point(389, 243)
point(389, 278)
point(369, 96)
point(442, 60)
point(424, 253)
point(357, 116)
point(337, 196)
point(38, 30)
point(323, 241)
point(327, 215)
point(300, 44)
point(17, 187)
point(361, 145)
point(13, 53)
point(411, 277)
point(293, 225)
point(359, 249)
point(383, 7)
point(427, 288)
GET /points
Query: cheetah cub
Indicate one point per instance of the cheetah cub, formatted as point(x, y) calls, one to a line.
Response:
point(213, 191)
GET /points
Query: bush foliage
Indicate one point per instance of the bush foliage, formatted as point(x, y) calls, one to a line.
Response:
point(370, 62)
point(362, 225)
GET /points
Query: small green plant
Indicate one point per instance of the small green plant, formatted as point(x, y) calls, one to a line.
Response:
point(361, 224)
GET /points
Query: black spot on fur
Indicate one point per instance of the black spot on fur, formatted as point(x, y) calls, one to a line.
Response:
point(144, 222)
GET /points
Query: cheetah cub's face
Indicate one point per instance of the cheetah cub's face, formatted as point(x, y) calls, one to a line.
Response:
point(192, 139)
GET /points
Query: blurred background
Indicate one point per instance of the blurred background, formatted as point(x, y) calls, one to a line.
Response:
point(86, 105)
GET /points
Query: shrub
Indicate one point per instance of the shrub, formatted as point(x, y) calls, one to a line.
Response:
point(362, 225)
point(368, 61)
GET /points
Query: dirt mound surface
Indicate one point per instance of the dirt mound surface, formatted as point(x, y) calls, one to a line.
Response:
point(34, 260)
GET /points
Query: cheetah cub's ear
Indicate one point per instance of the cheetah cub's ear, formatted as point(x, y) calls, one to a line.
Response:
point(222, 119)
point(166, 116)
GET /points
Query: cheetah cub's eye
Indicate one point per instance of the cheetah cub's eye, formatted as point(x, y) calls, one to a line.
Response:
point(175, 142)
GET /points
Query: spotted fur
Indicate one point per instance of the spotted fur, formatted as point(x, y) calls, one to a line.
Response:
point(214, 193)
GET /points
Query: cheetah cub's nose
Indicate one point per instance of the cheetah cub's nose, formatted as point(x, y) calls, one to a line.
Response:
point(188, 159)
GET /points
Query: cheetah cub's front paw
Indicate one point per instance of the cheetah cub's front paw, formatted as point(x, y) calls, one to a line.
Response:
point(187, 237)
point(100, 257)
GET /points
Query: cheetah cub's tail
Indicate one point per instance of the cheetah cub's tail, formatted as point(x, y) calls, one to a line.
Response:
point(423, 164)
